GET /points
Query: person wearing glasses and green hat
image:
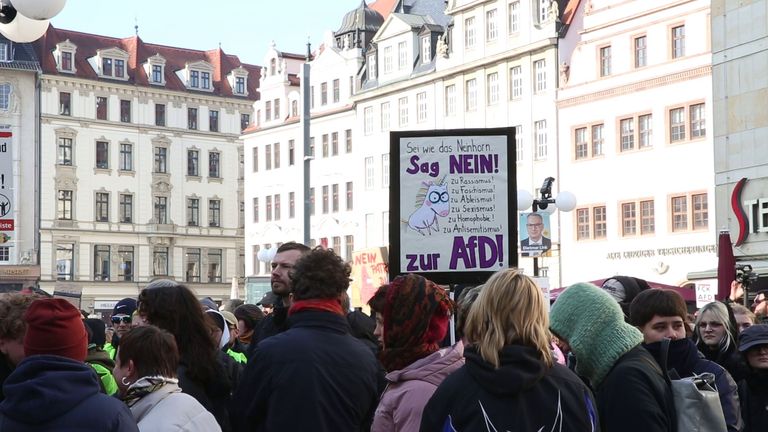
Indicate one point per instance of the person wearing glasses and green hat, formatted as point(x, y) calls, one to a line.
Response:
point(122, 319)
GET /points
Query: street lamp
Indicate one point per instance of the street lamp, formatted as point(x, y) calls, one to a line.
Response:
point(565, 201)
point(26, 20)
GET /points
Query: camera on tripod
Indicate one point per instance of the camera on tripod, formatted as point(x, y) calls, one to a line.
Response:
point(745, 275)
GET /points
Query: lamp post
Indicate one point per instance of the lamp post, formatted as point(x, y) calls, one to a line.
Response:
point(565, 201)
point(26, 20)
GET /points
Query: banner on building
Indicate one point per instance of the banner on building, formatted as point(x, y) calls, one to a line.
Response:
point(369, 272)
point(450, 213)
point(7, 222)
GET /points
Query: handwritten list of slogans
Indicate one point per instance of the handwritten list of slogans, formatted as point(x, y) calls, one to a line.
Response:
point(453, 203)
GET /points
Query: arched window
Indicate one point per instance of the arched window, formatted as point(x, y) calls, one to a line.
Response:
point(272, 66)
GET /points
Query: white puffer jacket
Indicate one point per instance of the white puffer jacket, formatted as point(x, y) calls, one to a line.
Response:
point(167, 409)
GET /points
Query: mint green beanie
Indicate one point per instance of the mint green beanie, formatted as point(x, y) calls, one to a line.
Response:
point(592, 323)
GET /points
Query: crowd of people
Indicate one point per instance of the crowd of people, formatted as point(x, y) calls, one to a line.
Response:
point(598, 359)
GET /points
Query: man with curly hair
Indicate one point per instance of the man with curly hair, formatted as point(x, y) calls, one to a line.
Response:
point(12, 330)
point(316, 356)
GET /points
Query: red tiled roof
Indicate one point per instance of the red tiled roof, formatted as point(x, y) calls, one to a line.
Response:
point(138, 51)
point(383, 7)
point(570, 11)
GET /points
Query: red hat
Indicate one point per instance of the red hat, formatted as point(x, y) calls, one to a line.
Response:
point(55, 326)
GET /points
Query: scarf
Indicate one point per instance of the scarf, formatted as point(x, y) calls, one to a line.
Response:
point(144, 386)
point(327, 305)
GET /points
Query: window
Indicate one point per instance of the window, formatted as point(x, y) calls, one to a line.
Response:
point(469, 33)
point(325, 145)
point(516, 82)
point(311, 98)
point(214, 265)
point(192, 118)
point(276, 104)
point(470, 94)
point(580, 141)
point(161, 160)
point(192, 268)
point(647, 217)
point(119, 68)
point(324, 93)
point(421, 107)
point(66, 61)
point(5, 253)
point(65, 102)
point(64, 205)
point(402, 55)
point(689, 211)
point(214, 166)
point(540, 68)
point(193, 212)
point(627, 128)
point(350, 197)
point(336, 90)
point(65, 262)
point(334, 144)
point(600, 222)
point(240, 85)
point(582, 224)
point(491, 26)
point(125, 111)
point(519, 143)
point(160, 261)
point(450, 100)
point(426, 49)
point(213, 121)
point(349, 242)
point(369, 173)
point(700, 211)
point(590, 223)
point(214, 213)
point(102, 155)
point(269, 208)
point(597, 140)
point(605, 61)
point(291, 205)
point(385, 170)
point(160, 210)
point(294, 108)
point(384, 116)
point(102, 207)
point(245, 120)
point(628, 219)
point(205, 80)
point(311, 201)
point(106, 66)
point(402, 108)
point(348, 139)
point(543, 10)
point(5, 96)
point(125, 266)
point(325, 199)
point(372, 66)
point(157, 73)
point(312, 146)
point(676, 124)
point(540, 128)
point(159, 115)
point(126, 208)
point(101, 108)
point(641, 51)
point(368, 120)
point(267, 110)
point(335, 198)
point(255, 157)
point(387, 59)
point(268, 156)
point(193, 163)
point(64, 151)
point(678, 41)
point(256, 210)
point(101, 262)
point(291, 152)
point(492, 88)
point(513, 19)
point(126, 157)
point(698, 126)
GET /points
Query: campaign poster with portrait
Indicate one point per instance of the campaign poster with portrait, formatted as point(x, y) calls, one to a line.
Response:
point(535, 234)
point(450, 214)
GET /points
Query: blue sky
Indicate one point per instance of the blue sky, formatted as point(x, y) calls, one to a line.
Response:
point(243, 27)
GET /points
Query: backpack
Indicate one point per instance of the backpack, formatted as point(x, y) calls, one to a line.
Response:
point(697, 402)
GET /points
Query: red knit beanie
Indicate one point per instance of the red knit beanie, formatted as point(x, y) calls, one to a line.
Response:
point(55, 326)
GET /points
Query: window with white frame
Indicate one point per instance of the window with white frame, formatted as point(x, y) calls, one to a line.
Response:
point(588, 141)
point(102, 154)
point(470, 95)
point(513, 17)
point(385, 170)
point(627, 131)
point(368, 120)
point(540, 132)
point(125, 208)
point(469, 33)
point(372, 66)
point(421, 107)
point(689, 212)
point(5, 96)
point(644, 131)
point(677, 124)
point(605, 61)
point(384, 116)
point(450, 100)
point(387, 59)
point(492, 88)
point(678, 41)
point(597, 140)
point(66, 61)
point(540, 69)
point(491, 26)
point(426, 49)
point(519, 154)
point(641, 51)
point(543, 10)
point(126, 157)
point(516, 82)
point(591, 223)
point(687, 122)
point(402, 108)
point(580, 143)
point(698, 122)
point(157, 73)
point(369, 173)
point(402, 55)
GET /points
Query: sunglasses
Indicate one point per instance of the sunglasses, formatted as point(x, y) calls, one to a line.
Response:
point(123, 319)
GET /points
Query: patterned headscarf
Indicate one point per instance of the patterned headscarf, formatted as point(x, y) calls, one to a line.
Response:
point(416, 315)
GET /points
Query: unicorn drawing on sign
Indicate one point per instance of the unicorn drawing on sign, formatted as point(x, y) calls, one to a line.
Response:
point(432, 201)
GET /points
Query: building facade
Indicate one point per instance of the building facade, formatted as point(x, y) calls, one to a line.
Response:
point(141, 166)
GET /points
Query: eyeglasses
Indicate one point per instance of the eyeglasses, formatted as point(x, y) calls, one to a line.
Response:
point(713, 324)
point(124, 319)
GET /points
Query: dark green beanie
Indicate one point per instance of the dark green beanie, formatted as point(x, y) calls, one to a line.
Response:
point(592, 323)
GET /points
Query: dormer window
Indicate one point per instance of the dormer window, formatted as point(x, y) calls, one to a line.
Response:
point(205, 80)
point(111, 63)
point(194, 79)
point(5, 52)
point(240, 85)
point(272, 66)
point(372, 66)
point(155, 69)
point(65, 56)
point(197, 75)
point(157, 73)
point(238, 81)
point(200, 80)
point(66, 61)
point(426, 49)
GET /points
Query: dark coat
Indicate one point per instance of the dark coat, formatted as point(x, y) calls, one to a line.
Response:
point(521, 395)
point(753, 394)
point(5, 372)
point(272, 324)
point(687, 361)
point(635, 397)
point(216, 396)
point(52, 393)
point(316, 361)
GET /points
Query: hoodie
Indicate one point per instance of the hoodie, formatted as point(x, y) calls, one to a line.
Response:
point(410, 388)
point(48, 392)
point(523, 394)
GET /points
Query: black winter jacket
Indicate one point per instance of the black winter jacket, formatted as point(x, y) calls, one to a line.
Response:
point(686, 360)
point(753, 393)
point(523, 394)
point(316, 361)
point(215, 396)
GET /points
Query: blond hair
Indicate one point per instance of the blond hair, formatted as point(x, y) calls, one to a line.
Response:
point(510, 309)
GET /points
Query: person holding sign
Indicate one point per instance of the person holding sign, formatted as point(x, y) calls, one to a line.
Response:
point(535, 244)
